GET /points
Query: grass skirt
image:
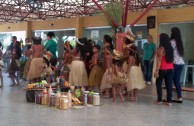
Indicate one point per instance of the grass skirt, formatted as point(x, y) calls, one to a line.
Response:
point(36, 68)
point(95, 77)
point(26, 69)
point(78, 75)
point(106, 80)
point(135, 79)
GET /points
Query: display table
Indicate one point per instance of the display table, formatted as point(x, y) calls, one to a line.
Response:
point(30, 93)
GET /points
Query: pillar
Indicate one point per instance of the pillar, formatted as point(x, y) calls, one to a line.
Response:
point(154, 33)
point(79, 27)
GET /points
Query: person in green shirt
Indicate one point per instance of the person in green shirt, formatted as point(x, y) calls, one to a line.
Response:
point(148, 59)
point(51, 46)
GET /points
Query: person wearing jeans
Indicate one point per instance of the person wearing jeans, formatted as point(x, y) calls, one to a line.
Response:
point(148, 59)
point(147, 71)
point(177, 45)
point(166, 75)
point(164, 68)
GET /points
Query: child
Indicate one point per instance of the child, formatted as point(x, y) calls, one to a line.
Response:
point(96, 73)
point(67, 61)
point(106, 79)
point(134, 74)
point(119, 77)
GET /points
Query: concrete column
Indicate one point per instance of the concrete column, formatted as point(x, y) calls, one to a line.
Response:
point(154, 33)
point(79, 27)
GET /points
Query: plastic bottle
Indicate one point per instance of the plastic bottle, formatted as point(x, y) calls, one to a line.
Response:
point(58, 89)
point(69, 99)
point(85, 99)
point(50, 91)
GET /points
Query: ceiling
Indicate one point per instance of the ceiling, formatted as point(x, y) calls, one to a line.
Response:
point(28, 10)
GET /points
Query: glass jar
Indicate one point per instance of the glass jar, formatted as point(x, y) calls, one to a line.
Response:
point(52, 100)
point(90, 99)
point(64, 102)
point(57, 99)
point(44, 99)
point(96, 99)
point(38, 96)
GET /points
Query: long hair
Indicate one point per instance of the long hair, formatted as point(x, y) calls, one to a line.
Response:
point(108, 39)
point(133, 52)
point(176, 35)
point(81, 48)
point(165, 43)
point(127, 41)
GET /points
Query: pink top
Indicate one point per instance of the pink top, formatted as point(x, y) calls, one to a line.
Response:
point(165, 65)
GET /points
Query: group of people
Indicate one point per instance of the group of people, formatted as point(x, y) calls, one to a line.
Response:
point(120, 70)
point(119, 73)
point(169, 65)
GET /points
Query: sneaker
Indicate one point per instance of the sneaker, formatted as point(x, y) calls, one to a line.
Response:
point(168, 103)
point(158, 102)
point(149, 82)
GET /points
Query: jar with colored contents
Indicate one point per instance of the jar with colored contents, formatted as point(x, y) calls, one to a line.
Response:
point(64, 102)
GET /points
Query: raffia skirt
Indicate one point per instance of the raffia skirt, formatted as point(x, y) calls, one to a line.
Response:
point(106, 80)
point(125, 67)
point(36, 68)
point(78, 75)
point(135, 79)
point(26, 69)
point(95, 77)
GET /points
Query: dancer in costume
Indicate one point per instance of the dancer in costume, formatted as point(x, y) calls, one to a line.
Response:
point(66, 65)
point(36, 52)
point(78, 75)
point(107, 53)
point(96, 74)
point(134, 74)
point(119, 77)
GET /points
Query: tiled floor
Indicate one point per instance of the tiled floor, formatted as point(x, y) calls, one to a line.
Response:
point(15, 111)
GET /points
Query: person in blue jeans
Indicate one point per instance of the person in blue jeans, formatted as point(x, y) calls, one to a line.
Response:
point(148, 59)
point(177, 44)
point(164, 69)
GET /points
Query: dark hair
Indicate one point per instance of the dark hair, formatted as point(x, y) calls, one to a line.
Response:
point(108, 39)
point(165, 43)
point(127, 41)
point(51, 34)
point(37, 40)
point(14, 37)
point(117, 62)
point(81, 48)
point(150, 36)
point(176, 35)
point(97, 47)
point(46, 61)
point(134, 52)
point(71, 47)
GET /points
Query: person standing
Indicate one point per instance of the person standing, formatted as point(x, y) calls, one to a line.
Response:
point(51, 46)
point(177, 45)
point(35, 54)
point(15, 61)
point(164, 68)
point(148, 59)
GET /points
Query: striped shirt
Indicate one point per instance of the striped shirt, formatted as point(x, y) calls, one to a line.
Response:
point(177, 58)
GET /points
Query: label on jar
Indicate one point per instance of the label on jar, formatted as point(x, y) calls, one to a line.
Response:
point(66, 101)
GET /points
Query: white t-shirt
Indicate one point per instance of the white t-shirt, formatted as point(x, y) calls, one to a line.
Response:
point(177, 58)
